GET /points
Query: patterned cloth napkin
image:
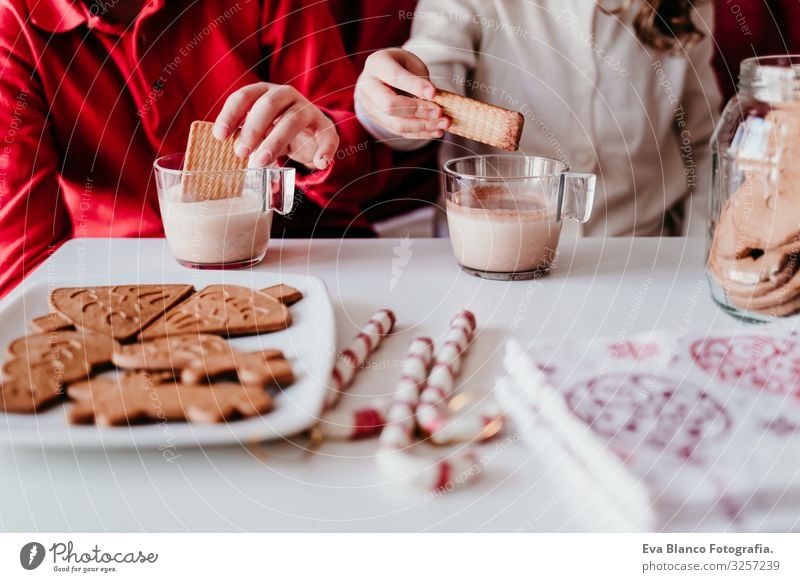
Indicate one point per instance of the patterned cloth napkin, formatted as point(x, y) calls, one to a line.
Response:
point(708, 426)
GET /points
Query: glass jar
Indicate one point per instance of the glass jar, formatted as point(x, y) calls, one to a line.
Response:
point(754, 236)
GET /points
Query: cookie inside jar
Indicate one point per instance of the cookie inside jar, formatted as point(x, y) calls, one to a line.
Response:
point(754, 249)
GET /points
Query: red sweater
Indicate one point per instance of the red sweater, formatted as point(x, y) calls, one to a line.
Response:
point(86, 106)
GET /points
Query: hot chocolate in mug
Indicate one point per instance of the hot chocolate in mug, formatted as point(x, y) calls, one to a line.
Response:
point(505, 212)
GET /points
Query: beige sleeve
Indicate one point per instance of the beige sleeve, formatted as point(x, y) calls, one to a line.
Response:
point(701, 101)
point(446, 35)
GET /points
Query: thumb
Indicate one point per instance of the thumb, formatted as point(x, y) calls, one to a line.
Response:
point(404, 71)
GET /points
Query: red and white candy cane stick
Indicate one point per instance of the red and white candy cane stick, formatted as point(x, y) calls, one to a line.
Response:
point(400, 421)
point(430, 473)
point(431, 413)
point(352, 425)
point(369, 421)
point(395, 458)
point(474, 426)
point(352, 358)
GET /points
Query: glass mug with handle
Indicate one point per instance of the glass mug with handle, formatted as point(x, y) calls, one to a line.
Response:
point(505, 212)
point(220, 219)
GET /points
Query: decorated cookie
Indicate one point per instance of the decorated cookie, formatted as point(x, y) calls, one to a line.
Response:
point(226, 310)
point(284, 293)
point(64, 345)
point(169, 353)
point(39, 366)
point(28, 387)
point(121, 311)
point(258, 369)
point(756, 275)
point(137, 397)
point(53, 321)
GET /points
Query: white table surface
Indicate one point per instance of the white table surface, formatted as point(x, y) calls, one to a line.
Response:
point(602, 287)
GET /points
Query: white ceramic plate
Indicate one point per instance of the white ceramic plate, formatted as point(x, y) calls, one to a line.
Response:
point(308, 344)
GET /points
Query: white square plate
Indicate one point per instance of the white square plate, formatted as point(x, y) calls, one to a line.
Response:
point(309, 344)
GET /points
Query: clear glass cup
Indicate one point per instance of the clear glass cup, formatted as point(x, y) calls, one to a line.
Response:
point(220, 220)
point(753, 244)
point(505, 212)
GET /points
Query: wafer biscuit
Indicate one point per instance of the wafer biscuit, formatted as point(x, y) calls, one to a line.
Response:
point(481, 122)
point(210, 166)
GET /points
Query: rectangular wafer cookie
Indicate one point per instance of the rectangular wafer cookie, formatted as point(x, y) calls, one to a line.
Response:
point(217, 163)
point(481, 122)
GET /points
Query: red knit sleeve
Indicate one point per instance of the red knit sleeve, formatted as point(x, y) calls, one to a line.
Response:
point(305, 50)
point(33, 218)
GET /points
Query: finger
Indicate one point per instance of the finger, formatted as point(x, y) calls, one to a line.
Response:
point(261, 118)
point(411, 125)
point(425, 135)
point(384, 99)
point(303, 148)
point(328, 143)
point(235, 109)
point(316, 148)
point(276, 144)
point(385, 67)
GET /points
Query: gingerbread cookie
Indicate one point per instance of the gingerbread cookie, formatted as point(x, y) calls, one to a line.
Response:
point(121, 311)
point(226, 310)
point(41, 364)
point(28, 387)
point(53, 321)
point(286, 294)
point(64, 345)
point(754, 254)
point(137, 397)
point(258, 369)
point(170, 353)
point(764, 221)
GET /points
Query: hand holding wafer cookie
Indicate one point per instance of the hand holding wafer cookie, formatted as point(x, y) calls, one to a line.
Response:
point(433, 111)
point(277, 121)
point(413, 115)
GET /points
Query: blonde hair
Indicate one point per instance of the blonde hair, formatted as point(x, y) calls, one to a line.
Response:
point(665, 25)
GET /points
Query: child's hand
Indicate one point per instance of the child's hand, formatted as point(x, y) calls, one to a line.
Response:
point(392, 69)
point(277, 121)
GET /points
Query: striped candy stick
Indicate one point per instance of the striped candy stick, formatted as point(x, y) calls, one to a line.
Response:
point(400, 421)
point(352, 358)
point(431, 413)
point(394, 457)
point(369, 421)
point(353, 425)
point(477, 425)
point(434, 475)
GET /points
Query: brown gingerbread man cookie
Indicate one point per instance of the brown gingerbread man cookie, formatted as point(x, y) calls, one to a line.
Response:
point(757, 273)
point(286, 294)
point(39, 366)
point(170, 353)
point(226, 310)
point(53, 321)
point(138, 398)
point(120, 311)
point(257, 369)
